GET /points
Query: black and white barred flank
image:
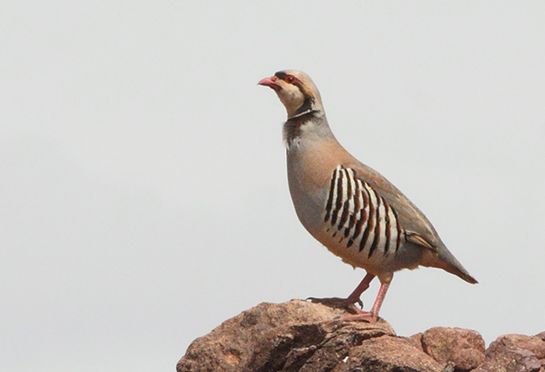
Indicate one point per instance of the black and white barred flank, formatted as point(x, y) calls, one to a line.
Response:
point(358, 213)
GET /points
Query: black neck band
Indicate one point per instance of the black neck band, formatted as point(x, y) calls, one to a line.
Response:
point(301, 114)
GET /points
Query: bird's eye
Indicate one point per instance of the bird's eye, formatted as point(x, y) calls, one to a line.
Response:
point(290, 79)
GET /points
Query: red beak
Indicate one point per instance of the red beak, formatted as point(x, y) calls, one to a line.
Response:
point(269, 82)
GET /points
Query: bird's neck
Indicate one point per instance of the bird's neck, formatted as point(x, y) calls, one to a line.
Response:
point(299, 115)
point(305, 126)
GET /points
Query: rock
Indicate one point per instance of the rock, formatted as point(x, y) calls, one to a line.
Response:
point(541, 335)
point(515, 353)
point(302, 336)
point(387, 353)
point(457, 348)
point(417, 341)
point(308, 337)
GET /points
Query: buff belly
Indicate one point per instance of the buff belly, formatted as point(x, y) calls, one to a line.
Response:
point(407, 257)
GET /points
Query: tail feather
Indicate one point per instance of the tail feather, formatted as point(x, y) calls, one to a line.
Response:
point(449, 263)
point(443, 259)
point(461, 273)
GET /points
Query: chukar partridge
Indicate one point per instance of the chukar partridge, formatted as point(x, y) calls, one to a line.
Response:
point(350, 208)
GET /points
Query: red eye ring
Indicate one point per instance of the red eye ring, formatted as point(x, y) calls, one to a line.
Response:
point(290, 79)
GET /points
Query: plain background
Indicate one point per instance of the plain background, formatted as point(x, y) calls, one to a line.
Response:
point(143, 194)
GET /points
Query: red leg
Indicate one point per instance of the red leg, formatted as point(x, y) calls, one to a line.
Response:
point(356, 294)
point(373, 315)
point(351, 300)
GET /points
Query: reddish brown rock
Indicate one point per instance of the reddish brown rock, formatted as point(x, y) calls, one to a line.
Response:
point(416, 341)
point(302, 336)
point(531, 343)
point(513, 353)
point(461, 349)
point(308, 337)
point(387, 353)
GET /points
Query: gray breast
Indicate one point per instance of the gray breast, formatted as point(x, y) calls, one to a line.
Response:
point(308, 205)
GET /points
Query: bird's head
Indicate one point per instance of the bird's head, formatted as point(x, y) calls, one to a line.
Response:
point(296, 91)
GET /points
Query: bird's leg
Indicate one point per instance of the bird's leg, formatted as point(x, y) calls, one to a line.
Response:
point(356, 294)
point(347, 303)
point(371, 316)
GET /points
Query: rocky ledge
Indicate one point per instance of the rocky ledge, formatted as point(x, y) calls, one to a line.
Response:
point(305, 336)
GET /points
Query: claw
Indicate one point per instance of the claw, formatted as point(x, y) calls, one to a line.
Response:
point(360, 302)
point(347, 304)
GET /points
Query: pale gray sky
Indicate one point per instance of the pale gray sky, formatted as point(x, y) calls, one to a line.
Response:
point(144, 195)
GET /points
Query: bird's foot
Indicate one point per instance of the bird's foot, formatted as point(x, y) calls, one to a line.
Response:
point(347, 304)
point(361, 316)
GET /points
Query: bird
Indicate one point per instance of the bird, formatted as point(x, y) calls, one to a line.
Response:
point(350, 208)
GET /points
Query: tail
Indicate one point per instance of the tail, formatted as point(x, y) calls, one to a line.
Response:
point(449, 263)
point(460, 272)
point(443, 259)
